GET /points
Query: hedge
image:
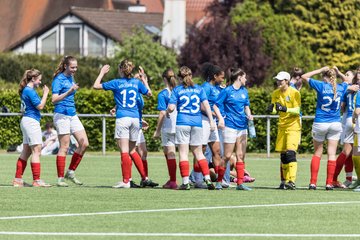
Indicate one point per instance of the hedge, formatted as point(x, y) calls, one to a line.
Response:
point(100, 102)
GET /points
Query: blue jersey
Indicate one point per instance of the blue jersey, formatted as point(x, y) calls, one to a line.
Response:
point(163, 99)
point(234, 101)
point(357, 100)
point(126, 93)
point(29, 101)
point(221, 108)
point(348, 100)
point(60, 85)
point(188, 101)
point(140, 104)
point(327, 108)
point(212, 93)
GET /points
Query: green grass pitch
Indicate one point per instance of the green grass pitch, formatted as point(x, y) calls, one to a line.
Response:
point(264, 213)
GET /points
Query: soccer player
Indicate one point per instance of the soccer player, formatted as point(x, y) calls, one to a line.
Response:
point(286, 101)
point(327, 123)
point(166, 127)
point(235, 99)
point(126, 90)
point(295, 80)
point(31, 104)
point(347, 136)
point(187, 98)
point(66, 121)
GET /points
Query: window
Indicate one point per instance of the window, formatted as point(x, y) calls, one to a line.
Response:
point(72, 41)
point(48, 44)
point(95, 45)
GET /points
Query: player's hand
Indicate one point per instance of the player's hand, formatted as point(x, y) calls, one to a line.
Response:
point(74, 87)
point(105, 69)
point(112, 111)
point(325, 69)
point(156, 134)
point(270, 108)
point(145, 124)
point(280, 107)
point(46, 89)
point(212, 125)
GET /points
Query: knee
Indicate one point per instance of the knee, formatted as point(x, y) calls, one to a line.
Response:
point(288, 157)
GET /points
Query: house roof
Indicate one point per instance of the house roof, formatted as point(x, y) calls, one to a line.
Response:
point(196, 9)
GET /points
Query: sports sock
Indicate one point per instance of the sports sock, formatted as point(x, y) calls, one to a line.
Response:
point(197, 167)
point(184, 171)
point(285, 171)
point(20, 168)
point(292, 171)
point(331, 165)
point(339, 165)
point(126, 167)
point(139, 164)
point(75, 161)
point(349, 166)
point(204, 167)
point(314, 168)
point(60, 165)
point(240, 166)
point(216, 169)
point(171, 164)
point(282, 178)
point(145, 164)
point(35, 168)
point(221, 173)
point(356, 161)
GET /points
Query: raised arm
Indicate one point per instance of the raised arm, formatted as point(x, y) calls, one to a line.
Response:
point(144, 80)
point(308, 75)
point(57, 98)
point(104, 70)
point(43, 99)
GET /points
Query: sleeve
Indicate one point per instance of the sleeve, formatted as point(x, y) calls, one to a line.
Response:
point(110, 85)
point(34, 98)
point(315, 84)
point(56, 86)
point(142, 89)
point(247, 99)
point(220, 100)
point(297, 99)
point(173, 98)
point(162, 106)
point(357, 102)
point(202, 95)
point(207, 90)
point(273, 98)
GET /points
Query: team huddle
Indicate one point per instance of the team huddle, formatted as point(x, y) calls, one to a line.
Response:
point(212, 118)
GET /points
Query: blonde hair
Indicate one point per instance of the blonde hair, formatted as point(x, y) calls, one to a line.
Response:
point(186, 75)
point(169, 75)
point(126, 67)
point(331, 74)
point(64, 62)
point(27, 77)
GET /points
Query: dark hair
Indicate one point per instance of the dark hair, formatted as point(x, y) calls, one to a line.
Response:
point(61, 66)
point(27, 77)
point(186, 75)
point(234, 73)
point(49, 125)
point(205, 68)
point(296, 72)
point(169, 75)
point(126, 67)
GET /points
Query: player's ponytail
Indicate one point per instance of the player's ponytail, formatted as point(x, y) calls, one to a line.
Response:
point(126, 67)
point(234, 73)
point(27, 77)
point(331, 74)
point(65, 61)
point(169, 77)
point(186, 75)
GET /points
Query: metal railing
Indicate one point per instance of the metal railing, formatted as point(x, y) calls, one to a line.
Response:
point(104, 116)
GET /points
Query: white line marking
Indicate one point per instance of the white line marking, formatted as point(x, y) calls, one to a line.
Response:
point(176, 210)
point(179, 234)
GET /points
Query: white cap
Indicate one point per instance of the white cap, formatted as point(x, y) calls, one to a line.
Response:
point(283, 76)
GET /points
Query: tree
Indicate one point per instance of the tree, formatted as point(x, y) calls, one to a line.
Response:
point(282, 43)
point(226, 45)
point(140, 48)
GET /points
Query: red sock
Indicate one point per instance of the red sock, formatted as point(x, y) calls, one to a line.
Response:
point(171, 164)
point(204, 166)
point(126, 167)
point(314, 168)
point(139, 164)
point(197, 167)
point(221, 173)
point(240, 166)
point(145, 164)
point(331, 165)
point(20, 168)
point(60, 165)
point(184, 168)
point(35, 167)
point(216, 169)
point(349, 166)
point(339, 165)
point(75, 160)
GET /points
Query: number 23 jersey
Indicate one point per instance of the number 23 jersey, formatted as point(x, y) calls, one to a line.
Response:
point(188, 101)
point(327, 108)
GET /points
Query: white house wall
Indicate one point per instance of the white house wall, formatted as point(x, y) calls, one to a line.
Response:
point(27, 47)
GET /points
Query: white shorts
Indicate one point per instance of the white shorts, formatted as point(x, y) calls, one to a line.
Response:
point(330, 131)
point(208, 135)
point(127, 127)
point(31, 131)
point(141, 138)
point(188, 135)
point(230, 134)
point(167, 139)
point(347, 135)
point(67, 124)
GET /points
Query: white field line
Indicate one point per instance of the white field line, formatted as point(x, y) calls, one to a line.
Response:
point(177, 210)
point(265, 235)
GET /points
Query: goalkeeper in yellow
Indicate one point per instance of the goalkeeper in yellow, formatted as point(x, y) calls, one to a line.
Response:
point(286, 101)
